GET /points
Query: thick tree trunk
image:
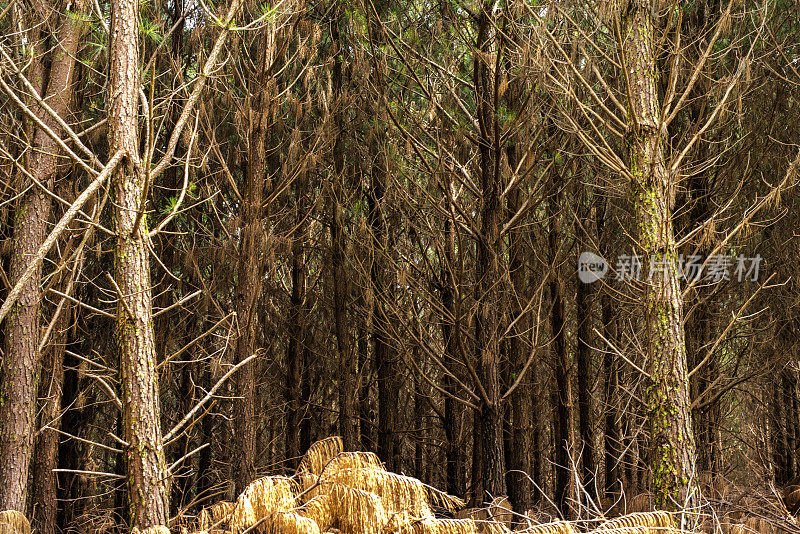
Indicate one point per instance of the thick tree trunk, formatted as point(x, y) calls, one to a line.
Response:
point(385, 357)
point(611, 435)
point(147, 477)
point(45, 481)
point(20, 366)
point(672, 449)
point(520, 492)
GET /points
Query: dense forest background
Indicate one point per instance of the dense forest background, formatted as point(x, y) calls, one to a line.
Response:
point(231, 230)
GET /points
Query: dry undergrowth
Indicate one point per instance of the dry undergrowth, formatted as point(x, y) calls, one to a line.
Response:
point(13, 522)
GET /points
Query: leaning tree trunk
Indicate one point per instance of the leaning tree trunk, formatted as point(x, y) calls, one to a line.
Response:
point(147, 476)
point(672, 449)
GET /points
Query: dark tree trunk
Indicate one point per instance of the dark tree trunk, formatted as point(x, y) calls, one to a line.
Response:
point(248, 288)
point(488, 272)
point(583, 355)
point(562, 396)
point(297, 351)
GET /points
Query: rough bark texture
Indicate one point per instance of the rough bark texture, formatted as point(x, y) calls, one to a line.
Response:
point(519, 489)
point(453, 410)
point(488, 273)
point(147, 477)
point(248, 286)
point(672, 449)
point(45, 481)
point(563, 410)
point(20, 368)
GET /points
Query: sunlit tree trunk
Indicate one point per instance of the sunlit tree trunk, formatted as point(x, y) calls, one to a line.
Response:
point(20, 366)
point(147, 477)
point(672, 449)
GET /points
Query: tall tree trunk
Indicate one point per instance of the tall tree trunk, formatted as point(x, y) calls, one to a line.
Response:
point(672, 449)
point(45, 480)
point(487, 266)
point(20, 366)
point(248, 287)
point(583, 355)
point(297, 348)
point(563, 411)
point(611, 434)
point(519, 491)
point(450, 325)
point(147, 477)
point(344, 343)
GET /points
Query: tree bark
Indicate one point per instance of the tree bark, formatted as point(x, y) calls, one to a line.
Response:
point(21, 365)
point(672, 448)
point(562, 396)
point(583, 355)
point(487, 272)
point(147, 477)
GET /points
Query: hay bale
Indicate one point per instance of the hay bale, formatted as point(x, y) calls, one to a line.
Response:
point(397, 492)
point(757, 525)
point(14, 522)
point(216, 516)
point(319, 454)
point(653, 522)
point(262, 498)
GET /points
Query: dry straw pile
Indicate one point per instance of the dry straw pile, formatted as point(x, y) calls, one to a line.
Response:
point(350, 492)
point(13, 522)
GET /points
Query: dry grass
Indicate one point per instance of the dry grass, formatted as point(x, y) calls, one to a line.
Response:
point(356, 511)
point(404, 524)
point(289, 523)
point(556, 527)
point(333, 490)
point(158, 529)
point(398, 492)
point(218, 515)
point(319, 454)
point(320, 509)
point(13, 522)
point(653, 522)
point(756, 525)
point(262, 498)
